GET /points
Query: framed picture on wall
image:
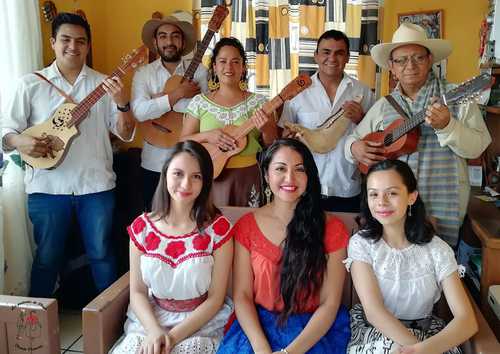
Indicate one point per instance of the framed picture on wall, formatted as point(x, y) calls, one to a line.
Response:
point(431, 21)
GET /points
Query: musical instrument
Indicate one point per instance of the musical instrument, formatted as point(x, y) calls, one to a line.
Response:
point(62, 127)
point(49, 11)
point(401, 137)
point(326, 136)
point(164, 132)
point(239, 133)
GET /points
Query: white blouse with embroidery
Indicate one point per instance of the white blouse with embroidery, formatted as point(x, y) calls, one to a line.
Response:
point(409, 279)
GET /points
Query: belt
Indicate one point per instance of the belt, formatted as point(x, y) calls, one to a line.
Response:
point(239, 161)
point(180, 305)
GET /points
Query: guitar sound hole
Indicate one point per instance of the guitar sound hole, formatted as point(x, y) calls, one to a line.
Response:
point(58, 122)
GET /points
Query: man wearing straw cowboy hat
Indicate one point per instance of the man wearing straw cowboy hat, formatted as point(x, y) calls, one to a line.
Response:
point(448, 136)
point(172, 37)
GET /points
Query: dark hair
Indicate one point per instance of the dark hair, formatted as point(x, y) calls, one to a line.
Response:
point(303, 263)
point(333, 34)
point(418, 229)
point(203, 209)
point(231, 42)
point(72, 19)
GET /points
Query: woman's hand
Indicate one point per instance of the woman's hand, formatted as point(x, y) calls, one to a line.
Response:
point(224, 142)
point(156, 342)
point(260, 118)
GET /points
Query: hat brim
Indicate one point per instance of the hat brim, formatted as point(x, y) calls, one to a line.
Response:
point(149, 28)
point(439, 48)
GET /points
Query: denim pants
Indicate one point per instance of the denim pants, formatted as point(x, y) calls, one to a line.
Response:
point(52, 217)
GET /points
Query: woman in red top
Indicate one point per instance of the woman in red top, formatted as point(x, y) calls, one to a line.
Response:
point(288, 271)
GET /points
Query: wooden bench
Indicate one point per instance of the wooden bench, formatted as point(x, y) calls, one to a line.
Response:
point(104, 317)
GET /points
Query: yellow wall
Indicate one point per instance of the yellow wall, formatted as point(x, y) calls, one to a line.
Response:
point(462, 19)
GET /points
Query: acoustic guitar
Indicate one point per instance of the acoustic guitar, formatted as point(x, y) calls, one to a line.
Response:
point(401, 137)
point(239, 133)
point(62, 127)
point(164, 132)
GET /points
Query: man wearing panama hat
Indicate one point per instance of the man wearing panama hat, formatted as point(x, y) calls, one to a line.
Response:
point(171, 37)
point(448, 136)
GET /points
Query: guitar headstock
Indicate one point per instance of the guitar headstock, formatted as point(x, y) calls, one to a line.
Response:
point(296, 86)
point(49, 11)
point(135, 58)
point(218, 17)
point(469, 90)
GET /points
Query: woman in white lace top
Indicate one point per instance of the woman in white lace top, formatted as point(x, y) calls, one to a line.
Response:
point(399, 269)
point(180, 257)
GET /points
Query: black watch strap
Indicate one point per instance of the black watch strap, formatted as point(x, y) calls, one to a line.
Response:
point(125, 108)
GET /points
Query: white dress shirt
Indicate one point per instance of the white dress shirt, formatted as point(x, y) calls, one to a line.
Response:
point(312, 107)
point(148, 81)
point(88, 165)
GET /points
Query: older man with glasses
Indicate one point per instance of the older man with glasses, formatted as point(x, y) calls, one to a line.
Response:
point(448, 136)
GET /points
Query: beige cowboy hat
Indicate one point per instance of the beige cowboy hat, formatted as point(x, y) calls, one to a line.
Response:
point(179, 19)
point(409, 33)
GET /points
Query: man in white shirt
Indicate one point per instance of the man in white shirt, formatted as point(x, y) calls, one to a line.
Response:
point(331, 90)
point(82, 186)
point(171, 37)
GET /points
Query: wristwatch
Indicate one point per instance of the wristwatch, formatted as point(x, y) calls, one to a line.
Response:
point(125, 108)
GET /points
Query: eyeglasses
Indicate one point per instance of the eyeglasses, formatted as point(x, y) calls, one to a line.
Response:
point(417, 59)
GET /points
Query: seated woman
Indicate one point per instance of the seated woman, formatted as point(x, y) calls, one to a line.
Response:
point(399, 269)
point(180, 259)
point(288, 271)
point(230, 103)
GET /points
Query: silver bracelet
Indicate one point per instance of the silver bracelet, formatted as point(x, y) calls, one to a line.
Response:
point(283, 350)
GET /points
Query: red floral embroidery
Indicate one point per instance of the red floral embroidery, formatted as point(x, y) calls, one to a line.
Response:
point(152, 242)
point(175, 249)
point(221, 227)
point(138, 225)
point(201, 242)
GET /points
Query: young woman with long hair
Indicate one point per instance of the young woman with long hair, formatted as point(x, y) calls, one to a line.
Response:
point(288, 271)
point(399, 269)
point(180, 260)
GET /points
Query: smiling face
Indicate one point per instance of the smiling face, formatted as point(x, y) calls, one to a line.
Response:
point(229, 66)
point(169, 43)
point(70, 46)
point(286, 175)
point(332, 57)
point(184, 178)
point(388, 197)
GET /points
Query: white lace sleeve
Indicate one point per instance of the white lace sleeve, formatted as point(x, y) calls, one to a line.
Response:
point(358, 250)
point(444, 259)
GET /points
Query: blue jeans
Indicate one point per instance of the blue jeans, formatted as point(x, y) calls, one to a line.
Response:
point(52, 217)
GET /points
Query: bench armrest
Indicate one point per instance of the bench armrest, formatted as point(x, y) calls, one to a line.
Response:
point(103, 318)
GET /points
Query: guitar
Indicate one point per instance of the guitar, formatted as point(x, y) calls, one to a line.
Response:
point(239, 133)
point(164, 132)
point(401, 137)
point(49, 11)
point(62, 127)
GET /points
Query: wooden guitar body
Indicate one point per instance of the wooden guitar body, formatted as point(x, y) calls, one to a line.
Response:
point(220, 158)
point(164, 132)
point(61, 136)
point(404, 145)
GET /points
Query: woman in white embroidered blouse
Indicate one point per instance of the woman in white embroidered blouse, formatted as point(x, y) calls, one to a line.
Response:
point(399, 269)
point(180, 258)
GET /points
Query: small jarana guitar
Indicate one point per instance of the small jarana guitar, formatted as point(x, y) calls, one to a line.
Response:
point(164, 132)
point(62, 127)
point(239, 133)
point(401, 137)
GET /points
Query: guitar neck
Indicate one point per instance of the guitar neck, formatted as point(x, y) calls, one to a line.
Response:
point(189, 74)
point(79, 113)
point(268, 108)
point(410, 124)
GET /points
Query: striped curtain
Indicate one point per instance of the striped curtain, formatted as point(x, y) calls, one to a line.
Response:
point(280, 36)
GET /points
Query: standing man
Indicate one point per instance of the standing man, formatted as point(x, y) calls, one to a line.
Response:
point(83, 184)
point(448, 137)
point(331, 90)
point(171, 37)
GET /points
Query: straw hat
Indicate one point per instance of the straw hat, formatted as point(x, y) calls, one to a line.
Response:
point(409, 33)
point(179, 19)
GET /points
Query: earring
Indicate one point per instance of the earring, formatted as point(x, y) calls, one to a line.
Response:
point(268, 194)
point(243, 83)
point(213, 83)
point(409, 210)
